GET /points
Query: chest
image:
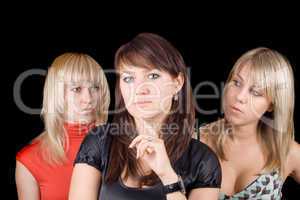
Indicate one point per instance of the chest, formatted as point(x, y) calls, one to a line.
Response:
point(119, 191)
point(241, 169)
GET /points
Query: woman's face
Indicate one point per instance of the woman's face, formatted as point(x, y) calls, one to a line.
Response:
point(148, 93)
point(244, 101)
point(81, 101)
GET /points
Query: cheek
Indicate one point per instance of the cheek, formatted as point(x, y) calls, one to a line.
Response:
point(166, 95)
point(126, 93)
point(229, 96)
point(71, 100)
point(258, 107)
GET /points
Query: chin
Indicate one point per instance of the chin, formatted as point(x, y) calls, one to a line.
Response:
point(145, 115)
point(234, 120)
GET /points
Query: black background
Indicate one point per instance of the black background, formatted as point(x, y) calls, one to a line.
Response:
point(209, 44)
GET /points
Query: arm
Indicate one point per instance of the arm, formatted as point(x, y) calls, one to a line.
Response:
point(199, 193)
point(85, 183)
point(204, 193)
point(27, 186)
point(295, 162)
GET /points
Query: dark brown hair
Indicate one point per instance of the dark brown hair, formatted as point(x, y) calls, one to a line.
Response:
point(150, 51)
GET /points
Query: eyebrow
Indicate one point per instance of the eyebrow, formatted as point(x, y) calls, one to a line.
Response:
point(126, 72)
point(131, 72)
point(240, 76)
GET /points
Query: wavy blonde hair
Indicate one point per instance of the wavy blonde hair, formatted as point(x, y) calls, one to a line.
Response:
point(273, 72)
point(66, 68)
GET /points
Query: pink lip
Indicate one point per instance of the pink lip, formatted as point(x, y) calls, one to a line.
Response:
point(236, 109)
point(142, 102)
point(89, 110)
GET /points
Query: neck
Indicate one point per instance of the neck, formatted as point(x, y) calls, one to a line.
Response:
point(81, 121)
point(147, 127)
point(245, 133)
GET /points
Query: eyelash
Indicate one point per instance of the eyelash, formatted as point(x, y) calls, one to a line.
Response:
point(151, 76)
point(237, 83)
point(255, 93)
point(154, 75)
point(128, 79)
point(78, 89)
point(252, 91)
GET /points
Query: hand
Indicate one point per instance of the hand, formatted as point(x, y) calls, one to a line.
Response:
point(152, 151)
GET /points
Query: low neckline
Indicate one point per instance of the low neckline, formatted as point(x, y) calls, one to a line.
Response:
point(244, 188)
point(122, 184)
point(250, 184)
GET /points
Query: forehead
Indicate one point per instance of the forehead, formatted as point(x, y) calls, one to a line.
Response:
point(250, 75)
point(131, 69)
point(80, 83)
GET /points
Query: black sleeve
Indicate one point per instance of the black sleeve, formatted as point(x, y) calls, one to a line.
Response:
point(93, 149)
point(206, 168)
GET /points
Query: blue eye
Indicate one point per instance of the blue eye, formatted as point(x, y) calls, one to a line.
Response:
point(255, 93)
point(237, 83)
point(153, 76)
point(76, 89)
point(128, 79)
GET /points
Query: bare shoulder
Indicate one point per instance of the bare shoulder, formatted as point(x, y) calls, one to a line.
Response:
point(294, 153)
point(293, 164)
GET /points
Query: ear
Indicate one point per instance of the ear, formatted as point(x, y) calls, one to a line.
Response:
point(270, 109)
point(179, 81)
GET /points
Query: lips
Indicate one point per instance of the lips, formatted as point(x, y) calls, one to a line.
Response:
point(88, 110)
point(143, 102)
point(236, 109)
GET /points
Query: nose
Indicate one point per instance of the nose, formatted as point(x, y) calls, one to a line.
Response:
point(143, 88)
point(86, 96)
point(143, 91)
point(242, 95)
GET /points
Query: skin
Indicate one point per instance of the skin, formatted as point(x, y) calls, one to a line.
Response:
point(148, 98)
point(244, 105)
point(81, 99)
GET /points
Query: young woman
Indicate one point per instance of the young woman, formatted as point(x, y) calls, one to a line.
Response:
point(255, 140)
point(147, 152)
point(76, 97)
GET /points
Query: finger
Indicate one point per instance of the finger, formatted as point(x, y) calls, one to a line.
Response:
point(141, 147)
point(144, 147)
point(149, 150)
point(139, 138)
point(135, 141)
point(138, 148)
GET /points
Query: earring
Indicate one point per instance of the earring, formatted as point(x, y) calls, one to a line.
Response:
point(175, 97)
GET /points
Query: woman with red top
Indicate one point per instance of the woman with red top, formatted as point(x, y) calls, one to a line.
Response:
point(76, 98)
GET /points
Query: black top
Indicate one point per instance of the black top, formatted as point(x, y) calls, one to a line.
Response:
point(198, 167)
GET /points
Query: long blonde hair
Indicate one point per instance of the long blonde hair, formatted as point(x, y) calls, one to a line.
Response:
point(273, 72)
point(68, 67)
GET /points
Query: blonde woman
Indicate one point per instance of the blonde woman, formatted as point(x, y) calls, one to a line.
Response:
point(255, 140)
point(76, 98)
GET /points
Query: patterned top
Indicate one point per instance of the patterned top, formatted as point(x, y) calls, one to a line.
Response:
point(265, 187)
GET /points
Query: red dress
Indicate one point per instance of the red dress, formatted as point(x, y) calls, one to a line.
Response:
point(54, 181)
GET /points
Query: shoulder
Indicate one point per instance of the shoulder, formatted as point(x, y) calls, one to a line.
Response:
point(30, 158)
point(201, 151)
point(199, 156)
point(295, 149)
point(294, 158)
point(29, 152)
point(97, 136)
point(201, 165)
point(94, 149)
